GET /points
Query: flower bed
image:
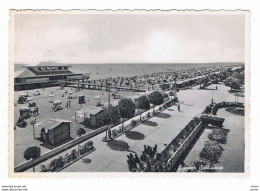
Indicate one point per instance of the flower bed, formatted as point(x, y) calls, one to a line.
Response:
point(60, 163)
point(211, 152)
point(219, 135)
point(234, 110)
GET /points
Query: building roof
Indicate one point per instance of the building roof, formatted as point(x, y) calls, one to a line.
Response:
point(24, 74)
point(91, 110)
point(52, 123)
point(50, 63)
point(43, 71)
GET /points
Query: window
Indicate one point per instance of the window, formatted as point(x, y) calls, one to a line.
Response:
point(40, 68)
point(65, 68)
point(53, 68)
point(47, 68)
point(60, 68)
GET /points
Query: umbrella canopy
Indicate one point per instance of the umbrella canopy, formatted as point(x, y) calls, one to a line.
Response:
point(25, 108)
point(51, 95)
point(97, 97)
point(58, 102)
point(70, 93)
point(23, 95)
point(30, 99)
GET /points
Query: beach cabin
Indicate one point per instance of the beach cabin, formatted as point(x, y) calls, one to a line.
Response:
point(180, 84)
point(166, 86)
point(91, 116)
point(55, 131)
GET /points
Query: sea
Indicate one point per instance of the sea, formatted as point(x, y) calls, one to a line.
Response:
point(102, 71)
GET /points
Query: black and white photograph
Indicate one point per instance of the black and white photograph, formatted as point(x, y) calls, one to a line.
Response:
point(140, 91)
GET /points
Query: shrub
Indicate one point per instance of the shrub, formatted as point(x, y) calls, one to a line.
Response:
point(88, 145)
point(80, 132)
point(114, 132)
point(73, 154)
point(133, 122)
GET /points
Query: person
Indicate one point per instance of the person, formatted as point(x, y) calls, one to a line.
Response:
point(68, 104)
point(43, 134)
point(179, 107)
point(37, 110)
point(216, 87)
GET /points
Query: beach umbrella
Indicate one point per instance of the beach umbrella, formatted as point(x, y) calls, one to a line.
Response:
point(57, 102)
point(30, 99)
point(97, 97)
point(51, 96)
point(24, 108)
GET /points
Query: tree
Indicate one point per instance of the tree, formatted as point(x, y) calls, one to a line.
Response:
point(126, 108)
point(81, 132)
point(156, 98)
point(115, 114)
point(232, 82)
point(143, 103)
point(240, 77)
point(32, 153)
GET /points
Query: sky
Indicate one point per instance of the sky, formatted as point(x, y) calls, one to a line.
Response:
point(128, 38)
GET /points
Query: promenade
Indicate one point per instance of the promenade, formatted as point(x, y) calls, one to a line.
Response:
point(160, 130)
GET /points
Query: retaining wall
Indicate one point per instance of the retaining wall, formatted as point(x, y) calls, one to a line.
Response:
point(183, 147)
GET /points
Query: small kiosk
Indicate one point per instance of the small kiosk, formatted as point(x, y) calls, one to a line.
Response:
point(55, 131)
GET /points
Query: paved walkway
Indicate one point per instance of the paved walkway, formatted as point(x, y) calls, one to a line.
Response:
point(160, 130)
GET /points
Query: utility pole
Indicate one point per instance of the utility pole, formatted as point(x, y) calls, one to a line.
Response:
point(212, 101)
point(108, 137)
point(108, 84)
point(175, 88)
point(33, 123)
